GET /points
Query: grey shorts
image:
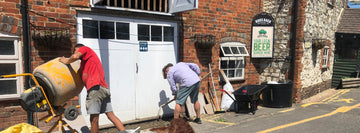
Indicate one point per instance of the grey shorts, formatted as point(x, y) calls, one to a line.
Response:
point(184, 92)
point(98, 100)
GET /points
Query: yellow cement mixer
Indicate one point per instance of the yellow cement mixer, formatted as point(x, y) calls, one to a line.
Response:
point(55, 83)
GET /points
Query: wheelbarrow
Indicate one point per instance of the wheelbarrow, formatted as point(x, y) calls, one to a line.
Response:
point(248, 94)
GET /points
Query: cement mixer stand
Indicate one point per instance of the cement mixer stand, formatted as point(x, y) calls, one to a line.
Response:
point(60, 123)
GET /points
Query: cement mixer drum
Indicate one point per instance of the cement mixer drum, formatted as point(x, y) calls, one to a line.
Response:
point(60, 82)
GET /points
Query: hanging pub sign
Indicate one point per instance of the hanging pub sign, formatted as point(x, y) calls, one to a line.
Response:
point(262, 42)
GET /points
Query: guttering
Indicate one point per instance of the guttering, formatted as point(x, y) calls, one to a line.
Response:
point(26, 48)
point(293, 39)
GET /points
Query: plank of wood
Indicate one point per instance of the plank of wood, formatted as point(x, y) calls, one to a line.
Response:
point(190, 106)
point(202, 103)
point(208, 99)
point(209, 109)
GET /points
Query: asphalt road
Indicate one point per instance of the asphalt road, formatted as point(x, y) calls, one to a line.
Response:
point(334, 111)
point(337, 113)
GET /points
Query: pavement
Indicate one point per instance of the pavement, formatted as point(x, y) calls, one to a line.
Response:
point(220, 120)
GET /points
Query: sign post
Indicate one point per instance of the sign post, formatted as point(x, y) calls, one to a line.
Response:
point(262, 42)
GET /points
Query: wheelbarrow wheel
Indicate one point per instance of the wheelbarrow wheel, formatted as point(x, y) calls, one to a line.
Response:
point(71, 113)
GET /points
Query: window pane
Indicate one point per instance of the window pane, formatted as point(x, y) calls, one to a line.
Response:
point(227, 50)
point(169, 34)
point(223, 64)
point(107, 30)
point(231, 73)
point(156, 33)
point(235, 50)
point(143, 33)
point(231, 63)
point(122, 31)
point(324, 62)
point(6, 69)
point(239, 73)
point(8, 87)
point(7, 47)
point(242, 50)
point(90, 29)
point(238, 64)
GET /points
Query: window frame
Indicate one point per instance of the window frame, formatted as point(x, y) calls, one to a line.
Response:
point(17, 60)
point(325, 56)
point(234, 44)
point(236, 57)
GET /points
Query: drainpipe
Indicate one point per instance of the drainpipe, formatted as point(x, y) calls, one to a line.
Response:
point(293, 39)
point(26, 49)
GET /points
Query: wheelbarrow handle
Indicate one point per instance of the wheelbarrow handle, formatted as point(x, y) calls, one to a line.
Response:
point(228, 94)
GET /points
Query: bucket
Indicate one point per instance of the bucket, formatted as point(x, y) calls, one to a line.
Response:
point(60, 82)
point(278, 95)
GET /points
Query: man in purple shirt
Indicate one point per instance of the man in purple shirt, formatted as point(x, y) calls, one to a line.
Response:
point(188, 76)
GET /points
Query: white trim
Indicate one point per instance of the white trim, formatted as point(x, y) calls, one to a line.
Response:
point(235, 69)
point(16, 49)
point(325, 57)
point(132, 10)
point(237, 47)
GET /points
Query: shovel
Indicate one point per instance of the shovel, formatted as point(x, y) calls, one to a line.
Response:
point(163, 106)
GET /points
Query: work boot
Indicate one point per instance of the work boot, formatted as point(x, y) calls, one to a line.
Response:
point(197, 120)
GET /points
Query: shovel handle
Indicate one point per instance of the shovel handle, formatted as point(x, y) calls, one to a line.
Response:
point(227, 94)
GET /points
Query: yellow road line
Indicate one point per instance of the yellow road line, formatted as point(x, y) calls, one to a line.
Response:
point(287, 110)
point(225, 123)
point(340, 109)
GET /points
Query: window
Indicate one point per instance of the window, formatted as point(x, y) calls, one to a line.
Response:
point(169, 34)
point(151, 6)
point(90, 29)
point(143, 32)
point(331, 2)
point(232, 60)
point(10, 63)
point(155, 33)
point(107, 30)
point(325, 57)
point(122, 31)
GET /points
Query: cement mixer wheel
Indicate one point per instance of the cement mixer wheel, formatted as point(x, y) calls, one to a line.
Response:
point(71, 113)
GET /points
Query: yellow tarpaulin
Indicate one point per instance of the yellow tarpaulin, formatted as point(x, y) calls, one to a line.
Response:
point(22, 128)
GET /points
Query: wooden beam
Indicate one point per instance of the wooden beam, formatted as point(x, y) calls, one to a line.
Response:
point(148, 5)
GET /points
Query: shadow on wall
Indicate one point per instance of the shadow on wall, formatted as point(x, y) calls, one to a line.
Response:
point(164, 99)
point(50, 48)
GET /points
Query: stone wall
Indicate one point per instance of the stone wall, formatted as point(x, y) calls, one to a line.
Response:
point(276, 69)
point(316, 20)
point(321, 21)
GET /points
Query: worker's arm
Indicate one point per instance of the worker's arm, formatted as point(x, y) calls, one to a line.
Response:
point(74, 57)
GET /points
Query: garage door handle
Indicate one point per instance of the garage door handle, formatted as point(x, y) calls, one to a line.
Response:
point(137, 68)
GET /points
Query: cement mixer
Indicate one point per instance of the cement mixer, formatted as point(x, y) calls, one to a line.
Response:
point(55, 84)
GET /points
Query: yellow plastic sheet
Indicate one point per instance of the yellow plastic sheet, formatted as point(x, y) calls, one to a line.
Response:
point(22, 128)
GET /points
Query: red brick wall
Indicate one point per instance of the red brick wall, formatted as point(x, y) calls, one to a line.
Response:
point(299, 51)
point(227, 20)
point(43, 13)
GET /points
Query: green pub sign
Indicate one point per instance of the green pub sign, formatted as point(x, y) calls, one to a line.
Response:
point(262, 42)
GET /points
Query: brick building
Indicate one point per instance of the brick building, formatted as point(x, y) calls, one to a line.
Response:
point(136, 38)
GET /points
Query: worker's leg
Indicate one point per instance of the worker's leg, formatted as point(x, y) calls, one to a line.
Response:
point(194, 99)
point(197, 109)
point(115, 120)
point(177, 110)
point(94, 119)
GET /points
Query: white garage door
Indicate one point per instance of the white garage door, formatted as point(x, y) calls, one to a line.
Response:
point(133, 53)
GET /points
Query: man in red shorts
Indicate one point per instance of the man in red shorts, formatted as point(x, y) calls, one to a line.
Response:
point(98, 95)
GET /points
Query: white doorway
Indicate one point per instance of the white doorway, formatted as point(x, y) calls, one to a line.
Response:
point(133, 52)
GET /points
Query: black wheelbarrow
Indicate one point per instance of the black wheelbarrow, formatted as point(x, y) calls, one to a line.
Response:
point(247, 98)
